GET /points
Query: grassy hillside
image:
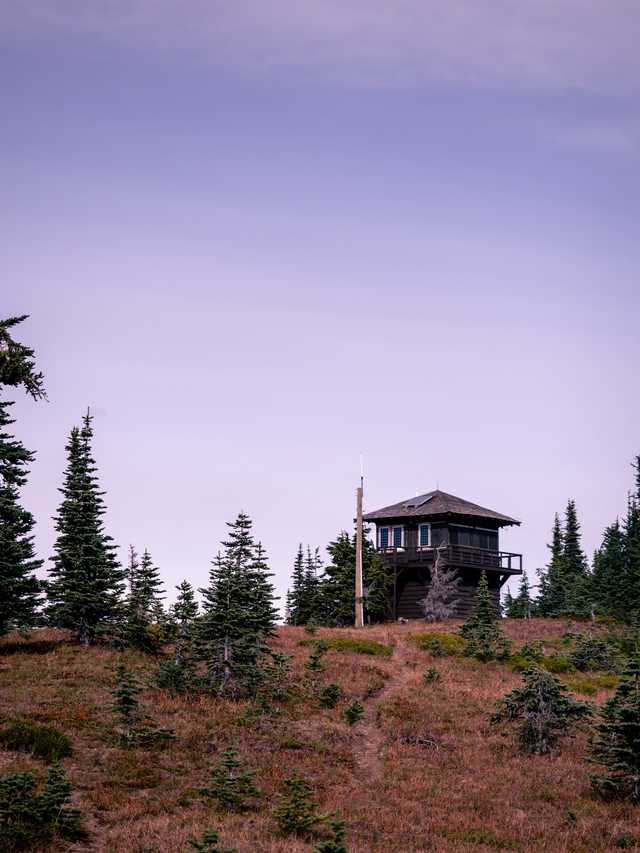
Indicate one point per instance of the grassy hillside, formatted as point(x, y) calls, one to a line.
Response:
point(423, 770)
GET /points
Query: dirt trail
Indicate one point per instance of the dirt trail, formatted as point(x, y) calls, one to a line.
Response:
point(369, 758)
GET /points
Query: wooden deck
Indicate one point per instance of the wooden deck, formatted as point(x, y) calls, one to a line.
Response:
point(460, 556)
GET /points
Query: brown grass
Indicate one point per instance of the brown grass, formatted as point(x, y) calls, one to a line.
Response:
point(423, 771)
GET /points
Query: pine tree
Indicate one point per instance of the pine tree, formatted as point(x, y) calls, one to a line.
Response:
point(312, 573)
point(135, 728)
point(630, 587)
point(296, 813)
point(125, 704)
point(543, 708)
point(520, 607)
point(19, 588)
point(335, 844)
point(184, 614)
point(609, 594)
point(338, 584)
point(149, 586)
point(553, 582)
point(579, 593)
point(29, 818)
point(85, 586)
point(209, 843)
point(484, 637)
point(574, 560)
point(231, 783)
point(617, 742)
point(146, 625)
point(178, 675)
point(442, 595)
point(508, 604)
point(17, 362)
point(239, 613)
point(296, 593)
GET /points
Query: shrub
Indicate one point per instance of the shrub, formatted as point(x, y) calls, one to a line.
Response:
point(543, 708)
point(557, 664)
point(592, 653)
point(439, 643)
point(357, 645)
point(533, 651)
point(209, 843)
point(44, 742)
point(354, 712)
point(335, 844)
point(331, 695)
point(617, 742)
point(431, 675)
point(296, 813)
point(591, 684)
point(29, 817)
point(231, 784)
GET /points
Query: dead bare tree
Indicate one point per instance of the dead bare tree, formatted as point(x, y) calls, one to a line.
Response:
point(440, 601)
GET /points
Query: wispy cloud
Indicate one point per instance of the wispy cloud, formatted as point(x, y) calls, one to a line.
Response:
point(537, 45)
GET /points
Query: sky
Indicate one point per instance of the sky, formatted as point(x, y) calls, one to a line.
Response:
point(259, 239)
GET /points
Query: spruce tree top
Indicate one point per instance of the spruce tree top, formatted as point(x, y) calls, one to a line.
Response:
point(17, 361)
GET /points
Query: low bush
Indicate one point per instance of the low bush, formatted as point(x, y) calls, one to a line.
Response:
point(431, 675)
point(557, 664)
point(354, 712)
point(439, 643)
point(330, 696)
point(589, 685)
point(44, 742)
point(358, 645)
point(208, 843)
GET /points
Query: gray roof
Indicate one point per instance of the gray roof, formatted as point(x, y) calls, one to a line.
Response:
point(437, 503)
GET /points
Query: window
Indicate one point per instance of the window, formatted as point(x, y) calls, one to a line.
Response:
point(424, 535)
point(383, 537)
point(398, 537)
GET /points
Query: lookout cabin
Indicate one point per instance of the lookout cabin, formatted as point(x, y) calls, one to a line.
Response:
point(466, 536)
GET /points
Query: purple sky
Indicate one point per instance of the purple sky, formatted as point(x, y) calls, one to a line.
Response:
point(260, 238)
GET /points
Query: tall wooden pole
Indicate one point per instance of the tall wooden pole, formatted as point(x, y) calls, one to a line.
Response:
point(359, 590)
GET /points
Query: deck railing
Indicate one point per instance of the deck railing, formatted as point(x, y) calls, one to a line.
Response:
point(461, 555)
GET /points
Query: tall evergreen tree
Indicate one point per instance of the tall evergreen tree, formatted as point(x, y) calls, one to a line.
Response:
point(86, 581)
point(630, 591)
point(553, 582)
point(338, 583)
point(239, 613)
point(303, 599)
point(574, 559)
point(297, 590)
point(149, 589)
point(608, 580)
point(617, 741)
point(19, 587)
point(520, 607)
